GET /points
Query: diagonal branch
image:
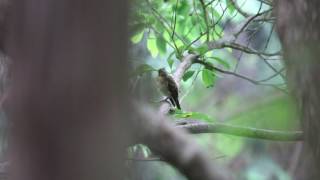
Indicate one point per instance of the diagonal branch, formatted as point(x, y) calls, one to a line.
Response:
point(242, 26)
point(238, 8)
point(272, 76)
point(233, 45)
point(176, 146)
point(228, 40)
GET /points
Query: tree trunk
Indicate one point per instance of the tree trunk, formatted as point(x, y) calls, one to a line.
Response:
point(299, 30)
point(68, 97)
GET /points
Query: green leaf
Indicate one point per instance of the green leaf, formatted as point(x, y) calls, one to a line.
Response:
point(201, 50)
point(170, 63)
point(230, 6)
point(152, 47)
point(161, 44)
point(158, 26)
point(216, 13)
point(183, 8)
point(193, 115)
point(180, 45)
point(187, 75)
point(218, 29)
point(218, 32)
point(222, 62)
point(203, 39)
point(229, 49)
point(192, 50)
point(181, 27)
point(208, 78)
point(137, 37)
point(170, 60)
point(144, 68)
point(166, 36)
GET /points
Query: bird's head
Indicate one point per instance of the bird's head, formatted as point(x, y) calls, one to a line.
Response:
point(162, 72)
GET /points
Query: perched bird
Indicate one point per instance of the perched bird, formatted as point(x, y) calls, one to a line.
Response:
point(168, 87)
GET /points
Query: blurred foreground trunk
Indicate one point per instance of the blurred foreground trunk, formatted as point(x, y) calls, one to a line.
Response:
point(68, 97)
point(299, 30)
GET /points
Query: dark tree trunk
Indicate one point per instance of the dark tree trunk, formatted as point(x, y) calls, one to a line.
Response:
point(68, 97)
point(299, 30)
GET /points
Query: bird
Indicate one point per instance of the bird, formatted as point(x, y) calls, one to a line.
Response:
point(168, 87)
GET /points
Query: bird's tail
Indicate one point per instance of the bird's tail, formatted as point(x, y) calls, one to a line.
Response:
point(176, 101)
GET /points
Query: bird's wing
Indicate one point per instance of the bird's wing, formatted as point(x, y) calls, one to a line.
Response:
point(174, 92)
point(163, 86)
point(172, 87)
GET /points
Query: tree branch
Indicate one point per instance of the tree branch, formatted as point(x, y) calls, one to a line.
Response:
point(210, 66)
point(197, 127)
point(238, 8)
point(223, 44)
point(272, 76)
point(228, 40)
point(249, 19)
point(175, 146)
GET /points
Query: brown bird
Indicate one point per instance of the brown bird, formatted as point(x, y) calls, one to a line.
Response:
point(168, 87)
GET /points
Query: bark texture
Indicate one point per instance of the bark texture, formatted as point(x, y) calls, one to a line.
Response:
point(68, 97)
point(299, 30)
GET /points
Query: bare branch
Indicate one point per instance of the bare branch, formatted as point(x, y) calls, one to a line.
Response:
point(145, 159)
point(187, 61)
point(238, 8)
point(209, 3)
point(233, 45)
point(272, 76)
point(228, 40)
point(161, 159)
point(210, 66)
point(266, 2)
point(239, 29)
point(265, 19)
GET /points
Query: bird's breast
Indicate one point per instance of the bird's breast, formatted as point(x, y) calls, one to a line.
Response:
point(163, 86)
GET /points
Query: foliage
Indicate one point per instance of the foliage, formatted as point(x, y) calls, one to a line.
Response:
point(178, 26)
point(171, 29)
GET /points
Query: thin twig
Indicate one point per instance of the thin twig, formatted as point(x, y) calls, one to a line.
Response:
point(205, 16)
point(175, 20)
point(166, 26)
point(250, 38)
point(233, 45)
point(266, 2)
point(272, 76)
point(211, 67)
point(238, 8)
point(249, 19)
